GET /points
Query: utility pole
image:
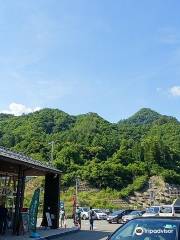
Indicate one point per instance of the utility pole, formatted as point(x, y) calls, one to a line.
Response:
point(52, 151)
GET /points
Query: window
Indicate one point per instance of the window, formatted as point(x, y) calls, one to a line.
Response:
point(166, 209)
point(177, 209)
point(153, 210)
point(124, 232)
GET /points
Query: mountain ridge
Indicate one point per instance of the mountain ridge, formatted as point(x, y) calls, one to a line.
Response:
point(105, 154)
point(143, 116)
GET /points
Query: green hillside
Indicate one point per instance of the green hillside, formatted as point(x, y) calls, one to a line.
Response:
point(146, 116)
point(118, 156)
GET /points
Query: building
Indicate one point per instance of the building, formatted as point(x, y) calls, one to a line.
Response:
point(14, 169)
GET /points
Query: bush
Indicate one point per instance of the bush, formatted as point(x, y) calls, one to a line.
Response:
point(137, 185)
point(171, 176)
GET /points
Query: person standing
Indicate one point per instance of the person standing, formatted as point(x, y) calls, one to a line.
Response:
point(62, 216)
point(91, 218)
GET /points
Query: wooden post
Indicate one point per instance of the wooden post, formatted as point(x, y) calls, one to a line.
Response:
point(19, 201)
point(51, 199)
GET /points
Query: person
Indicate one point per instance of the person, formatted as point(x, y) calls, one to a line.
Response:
point(62, 216)
point(91, 218)
point(78, 216)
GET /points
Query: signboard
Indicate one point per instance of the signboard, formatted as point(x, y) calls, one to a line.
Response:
point(25, 221)
point(33, 210)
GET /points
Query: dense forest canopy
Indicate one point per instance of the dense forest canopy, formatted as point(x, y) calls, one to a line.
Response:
point(102, 153)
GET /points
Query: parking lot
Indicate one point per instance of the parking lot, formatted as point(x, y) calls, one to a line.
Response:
point(101, 230)
point(100, 225)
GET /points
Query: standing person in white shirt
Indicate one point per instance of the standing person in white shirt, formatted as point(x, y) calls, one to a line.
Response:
point(62, 216)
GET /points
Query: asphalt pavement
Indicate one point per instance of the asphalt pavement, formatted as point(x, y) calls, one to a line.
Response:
point(101, 230)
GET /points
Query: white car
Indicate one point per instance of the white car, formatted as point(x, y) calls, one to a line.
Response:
point(132, 215)
point(169, 211)
point(152, 211)
point(84, 212)
point(99, 215)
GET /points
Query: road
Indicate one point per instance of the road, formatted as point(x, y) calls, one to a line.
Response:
point(101, 230)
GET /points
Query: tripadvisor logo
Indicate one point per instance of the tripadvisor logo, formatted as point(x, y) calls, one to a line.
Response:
point(139, 231)
point(155, 231)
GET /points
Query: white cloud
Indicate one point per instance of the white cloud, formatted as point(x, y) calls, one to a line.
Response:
point(18, 109)
point(175, 91)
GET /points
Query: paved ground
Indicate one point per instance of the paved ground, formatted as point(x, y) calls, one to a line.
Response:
point(101, 231)
point(42, 233)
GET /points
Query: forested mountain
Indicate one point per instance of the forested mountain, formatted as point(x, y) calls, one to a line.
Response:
point(146, 116)
point(95, 150)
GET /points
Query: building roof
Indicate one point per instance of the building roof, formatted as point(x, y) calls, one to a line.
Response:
point(10, 161)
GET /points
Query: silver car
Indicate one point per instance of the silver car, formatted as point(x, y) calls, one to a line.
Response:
point(132, 215)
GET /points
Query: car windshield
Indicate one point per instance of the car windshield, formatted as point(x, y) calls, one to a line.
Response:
point(98, 211)
point(85, 209)
point(147, 230)
point(135, 213)
point(152, 210)
point(116, 213)
point(166, 209)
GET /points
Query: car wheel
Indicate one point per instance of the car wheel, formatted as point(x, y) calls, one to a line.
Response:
point(119, 220)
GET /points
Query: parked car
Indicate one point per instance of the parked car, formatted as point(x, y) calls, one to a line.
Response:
point(117, 216)
point(169, 211)
point(132, 215)
point(84, 212)
point(152, 211)
point(99, 214)
point(106, 211)
point(149, 228)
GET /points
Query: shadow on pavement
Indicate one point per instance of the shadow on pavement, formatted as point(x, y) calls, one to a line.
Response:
point(87, 235)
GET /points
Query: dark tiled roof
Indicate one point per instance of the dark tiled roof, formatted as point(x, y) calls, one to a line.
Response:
point(4, 152)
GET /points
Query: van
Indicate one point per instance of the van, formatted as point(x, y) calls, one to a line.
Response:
point(152, 211)
point(169, 211)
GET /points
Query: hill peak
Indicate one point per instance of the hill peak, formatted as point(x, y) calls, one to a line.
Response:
point(143, 116)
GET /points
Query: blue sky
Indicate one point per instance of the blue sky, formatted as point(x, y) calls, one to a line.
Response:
point(112, 57)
